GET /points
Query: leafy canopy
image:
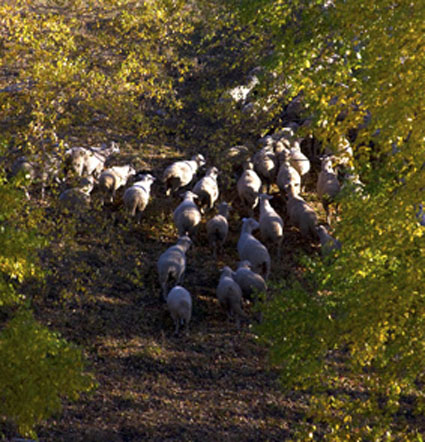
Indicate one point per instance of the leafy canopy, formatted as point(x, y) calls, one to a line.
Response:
point(354, 329)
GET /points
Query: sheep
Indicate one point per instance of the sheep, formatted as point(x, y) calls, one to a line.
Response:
point(286, 133)
point(343, 154)
point(207, 188)
point(112, 179)
point(351, 181)
point(172, 264)
point(181, 173)
point(218, 228)
point(187, 215)
point(301, 214)
point(229, 295)
point(249, 281)
point(328, 242)
point(89, 161)
point(77, 199)
point(265, 165)
point(136, 197)
point(42, 168)
point(23, 166)
point(298, 160)
point(327, 185)
point(287, 175)
point(179, 303)
point(271, 224)
point(248, 186)
point(240, 93)
point(251, 249)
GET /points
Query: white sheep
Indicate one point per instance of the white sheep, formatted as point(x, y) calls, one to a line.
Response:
point(218, 228)
point(112, 179)
point(298, 160)
point(249, 281)
point(343, 154)
point(327, 242)
point(89, 161)
point(251, 249)
point(172, 264)
point(265, 165)
point(271, 223)
point(229, 295)
point(78, 198)
point(287, 175)
point(286, 133)
point(327, 185)
point(136, 197)
point(248, 186)
point(301, 214)
point(181, 173)
point(179, 303)
point(187, 215)
point(207, 188)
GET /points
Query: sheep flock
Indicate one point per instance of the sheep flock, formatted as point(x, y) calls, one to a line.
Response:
point(265, 198)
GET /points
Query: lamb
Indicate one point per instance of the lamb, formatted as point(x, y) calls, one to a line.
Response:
point(249, 281)
point(265, 165)
point(181, 173)
point(187, 215)
point(251, 249)
point(112, 179)
point(179, 303)
point(172, 264)
point(271, 224)
point(248, 186)
point(136, 197)
point(328, 242)
point(229, 295)
point(207, 188)
point(327, 185)
point(301, 214)
point(287, 175)
point(77, 199)
point(218, 228)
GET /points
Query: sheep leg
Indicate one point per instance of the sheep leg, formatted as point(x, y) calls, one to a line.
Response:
point(164, 292)
point(279, 251)
point(176, 331)
point(328, 216)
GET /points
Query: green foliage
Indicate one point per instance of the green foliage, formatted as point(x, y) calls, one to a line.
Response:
point(353, 335)
point(37, 370)
point(37, 367)
point(93, 65)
